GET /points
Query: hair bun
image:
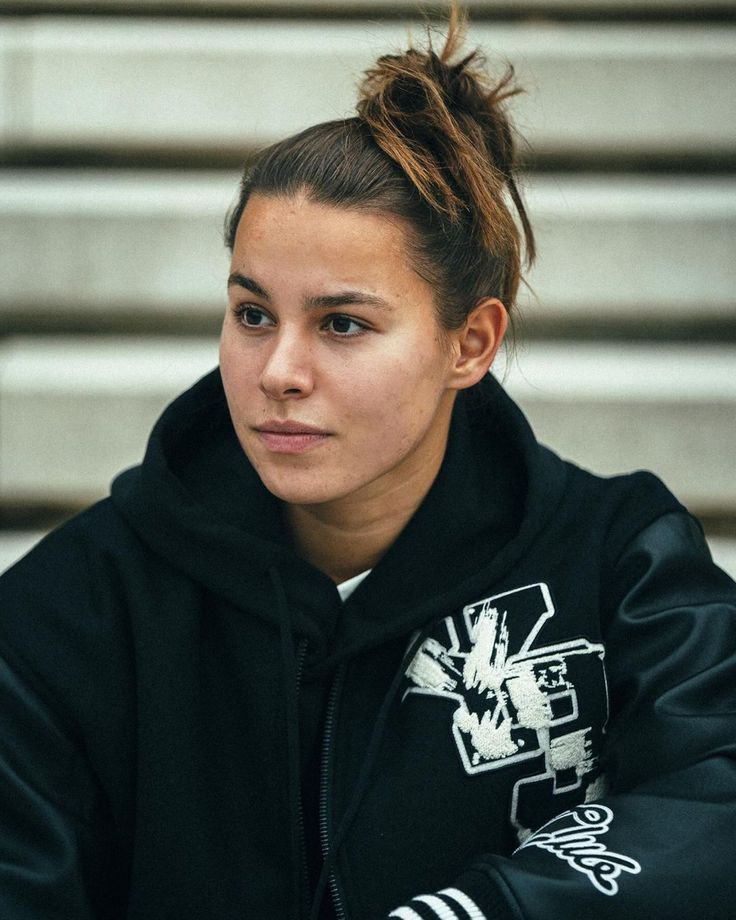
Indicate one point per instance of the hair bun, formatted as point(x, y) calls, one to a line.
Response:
point(445, 124)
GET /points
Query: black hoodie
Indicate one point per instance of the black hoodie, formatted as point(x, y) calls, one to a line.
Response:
point(527, 710)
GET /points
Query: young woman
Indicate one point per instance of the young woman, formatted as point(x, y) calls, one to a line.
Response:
point(350, 642)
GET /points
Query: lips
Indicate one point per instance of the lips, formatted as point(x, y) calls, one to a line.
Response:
point(284, 427)
point(285, 437)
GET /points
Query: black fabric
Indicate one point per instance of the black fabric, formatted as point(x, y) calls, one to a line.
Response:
point(175, 681)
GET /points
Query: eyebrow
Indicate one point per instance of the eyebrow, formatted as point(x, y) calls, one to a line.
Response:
point(345, 298)
point(317, 301)
point(238, 280)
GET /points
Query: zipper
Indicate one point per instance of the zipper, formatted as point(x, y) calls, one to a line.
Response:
point(301, 654)
point(325, 779)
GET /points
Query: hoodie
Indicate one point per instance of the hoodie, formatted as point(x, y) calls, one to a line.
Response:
point(526, 710)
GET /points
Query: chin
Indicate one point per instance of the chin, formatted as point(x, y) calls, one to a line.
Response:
point(292, 490)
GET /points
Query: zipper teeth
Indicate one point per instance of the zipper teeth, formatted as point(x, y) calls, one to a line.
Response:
point(326, 748)
point(300, 656)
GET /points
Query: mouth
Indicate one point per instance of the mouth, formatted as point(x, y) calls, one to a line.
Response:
point(290, 437)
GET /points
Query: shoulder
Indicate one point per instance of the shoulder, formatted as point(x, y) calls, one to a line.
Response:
point(64, 556)
point(62, 606)
point(618, 506)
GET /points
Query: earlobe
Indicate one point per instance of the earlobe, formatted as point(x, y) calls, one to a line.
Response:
point(477, 342)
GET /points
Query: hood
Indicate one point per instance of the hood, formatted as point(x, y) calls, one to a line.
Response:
point(196, 502)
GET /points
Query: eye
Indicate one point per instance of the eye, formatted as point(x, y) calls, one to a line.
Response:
point(344, 326)
point(252, 317)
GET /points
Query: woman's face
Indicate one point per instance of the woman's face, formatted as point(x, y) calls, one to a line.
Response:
point(337, 375)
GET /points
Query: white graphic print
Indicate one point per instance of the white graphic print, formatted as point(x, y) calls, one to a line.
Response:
point(573, 836)
point(515, 701)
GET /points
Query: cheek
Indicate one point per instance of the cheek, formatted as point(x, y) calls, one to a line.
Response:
point(398, 396)
point(417, 373)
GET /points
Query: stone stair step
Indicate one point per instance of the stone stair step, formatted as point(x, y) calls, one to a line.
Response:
point(121, 83)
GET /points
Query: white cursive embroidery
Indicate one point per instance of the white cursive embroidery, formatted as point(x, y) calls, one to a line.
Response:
point(576, 842)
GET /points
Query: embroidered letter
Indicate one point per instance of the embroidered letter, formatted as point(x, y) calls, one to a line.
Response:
point(573, 836)
point(518, 699)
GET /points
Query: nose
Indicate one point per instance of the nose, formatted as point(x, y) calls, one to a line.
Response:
point(287, 373)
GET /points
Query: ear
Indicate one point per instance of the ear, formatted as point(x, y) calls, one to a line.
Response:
point(475, 344)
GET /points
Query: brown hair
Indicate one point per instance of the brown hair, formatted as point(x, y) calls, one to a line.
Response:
point(432, 144)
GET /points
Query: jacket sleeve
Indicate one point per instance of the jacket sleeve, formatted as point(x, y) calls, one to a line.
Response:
point(661, 842)
point(55, 838)
point(46, 831)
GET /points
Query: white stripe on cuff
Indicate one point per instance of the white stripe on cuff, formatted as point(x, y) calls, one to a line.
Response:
point(440, 907)
point(468, 904)
point(405, 913)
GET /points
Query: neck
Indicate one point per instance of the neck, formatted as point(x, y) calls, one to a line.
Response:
point(345, 537)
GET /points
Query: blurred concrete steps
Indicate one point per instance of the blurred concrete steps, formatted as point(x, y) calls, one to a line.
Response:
point(73, 412)
point(611, 408)
point(335, 7)
point(121, 83)
point(145, 243)
point(637, 252)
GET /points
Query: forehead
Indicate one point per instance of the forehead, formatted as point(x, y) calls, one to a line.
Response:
point(288, 232)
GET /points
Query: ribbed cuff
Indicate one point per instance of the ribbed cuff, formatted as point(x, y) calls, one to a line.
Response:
point(476, 896)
